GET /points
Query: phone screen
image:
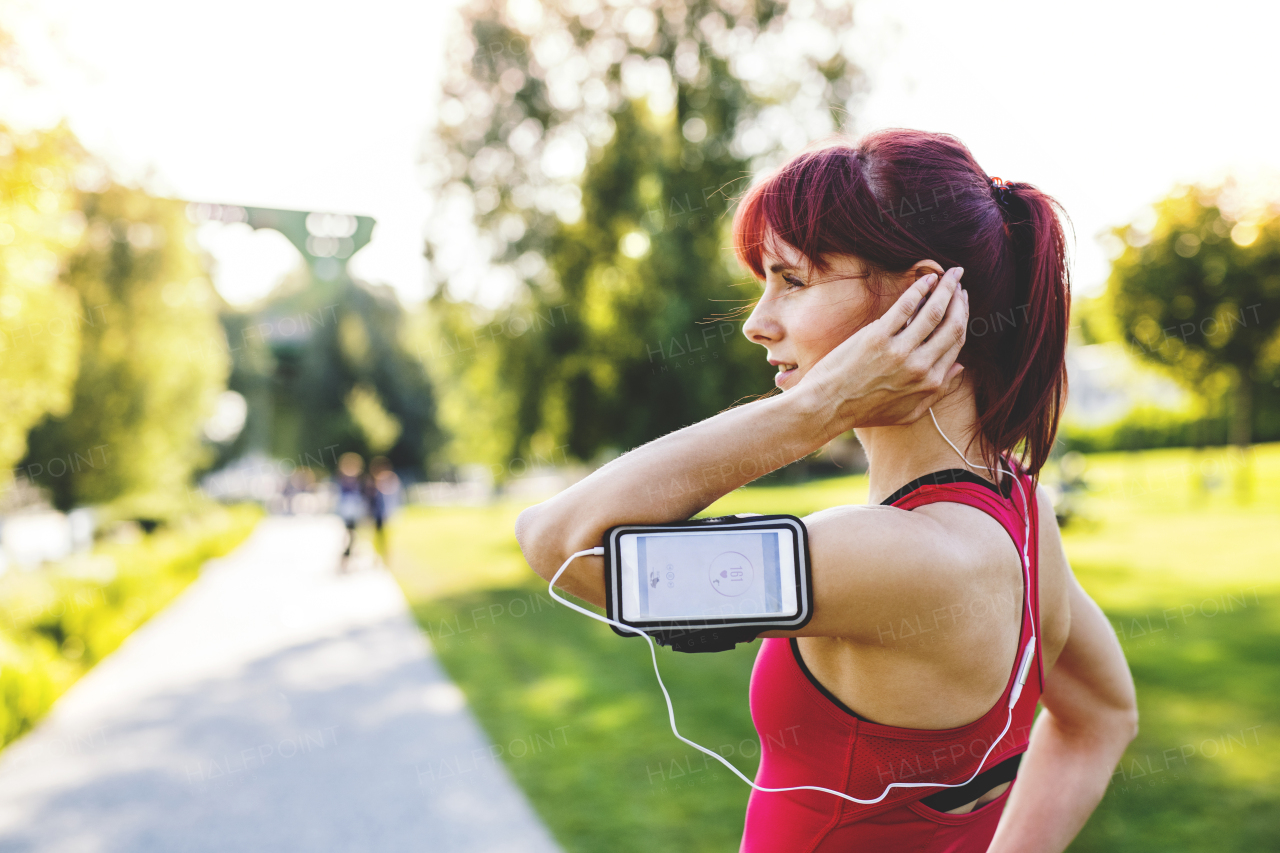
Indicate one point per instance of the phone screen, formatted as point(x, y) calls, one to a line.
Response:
point(707, 574)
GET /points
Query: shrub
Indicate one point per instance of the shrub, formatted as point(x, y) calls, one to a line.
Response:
point(55, 625)
point(1146, 427)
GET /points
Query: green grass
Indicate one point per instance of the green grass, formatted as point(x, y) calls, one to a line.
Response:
point(1187, 577)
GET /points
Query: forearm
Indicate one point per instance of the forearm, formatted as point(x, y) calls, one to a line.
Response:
point(1060, 782)
point(670, 478)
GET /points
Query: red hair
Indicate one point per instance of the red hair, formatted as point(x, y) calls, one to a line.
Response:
point(897, 197)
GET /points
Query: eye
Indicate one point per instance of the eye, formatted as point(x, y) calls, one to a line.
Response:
point(792, 281)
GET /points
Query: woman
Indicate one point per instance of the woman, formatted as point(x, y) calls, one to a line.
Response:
point(925, 598)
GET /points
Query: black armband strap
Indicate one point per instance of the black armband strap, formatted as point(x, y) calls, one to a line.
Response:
point(703, 639)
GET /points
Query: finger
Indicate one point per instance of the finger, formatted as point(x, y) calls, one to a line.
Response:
point(950, 382)
point(945, 342)
point(900, 314)
point(933, 311)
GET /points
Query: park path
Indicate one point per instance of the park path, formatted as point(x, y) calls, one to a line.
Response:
point(276, 705)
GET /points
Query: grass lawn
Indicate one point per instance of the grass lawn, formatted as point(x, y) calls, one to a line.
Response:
point(1189, 580)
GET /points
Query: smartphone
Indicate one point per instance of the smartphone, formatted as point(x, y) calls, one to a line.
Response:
point(735, 574)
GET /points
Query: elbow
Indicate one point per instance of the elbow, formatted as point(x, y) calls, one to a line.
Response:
point(531, 535)
point(1129, 724)
point(1127, 715)
point(545, 538)
point(526, 536)
point(1105, 728)
point(1119, 728)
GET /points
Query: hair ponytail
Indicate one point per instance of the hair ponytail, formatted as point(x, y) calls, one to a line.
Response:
point(1029, 408)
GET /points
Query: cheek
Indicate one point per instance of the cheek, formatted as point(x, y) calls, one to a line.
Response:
point(831, 322)
point(827, 334)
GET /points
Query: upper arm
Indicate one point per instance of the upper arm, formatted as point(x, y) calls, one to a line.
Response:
point(862, 560)
point(1087, 677)
point(1090, 683)
point(873, 566)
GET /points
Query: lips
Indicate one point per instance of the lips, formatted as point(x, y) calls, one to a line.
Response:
point(784, 371)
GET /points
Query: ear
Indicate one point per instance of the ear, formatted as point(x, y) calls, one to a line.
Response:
point(922, 268)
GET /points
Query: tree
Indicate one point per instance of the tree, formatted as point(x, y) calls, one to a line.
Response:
point(597, 150)
point(327, 368)
point(324, 362)
point(40, 317)
point(1200, 294)
point(150, 362)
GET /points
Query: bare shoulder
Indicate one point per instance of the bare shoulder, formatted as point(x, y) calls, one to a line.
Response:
point(916, 613)
point(875, 565)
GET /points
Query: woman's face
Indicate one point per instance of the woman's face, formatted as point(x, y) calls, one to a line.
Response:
point(803, 314)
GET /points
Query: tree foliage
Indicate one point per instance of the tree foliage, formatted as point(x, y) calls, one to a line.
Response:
point(1200, 294)
point(327, 368)
point(150, 361)
point(40, 317)
point(597, 150)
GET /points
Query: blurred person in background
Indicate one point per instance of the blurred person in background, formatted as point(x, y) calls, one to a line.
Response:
point(351, 497)
point(298, 491)
point(382, 494)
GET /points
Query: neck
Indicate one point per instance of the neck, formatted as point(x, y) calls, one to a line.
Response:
point(898, 454)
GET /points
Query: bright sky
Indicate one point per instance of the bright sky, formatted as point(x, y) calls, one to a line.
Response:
point(306, 105)
point(323, 106)
point(1104, 104)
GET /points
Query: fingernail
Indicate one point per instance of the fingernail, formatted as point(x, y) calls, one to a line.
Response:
point(966, 296)
point(930, 278)
point(959, 272)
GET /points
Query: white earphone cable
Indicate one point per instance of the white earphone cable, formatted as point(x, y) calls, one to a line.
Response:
point(1027, 654)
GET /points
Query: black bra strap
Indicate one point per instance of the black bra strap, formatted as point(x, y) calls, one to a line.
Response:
point(949, 475)
point(795, 651)
point(951, 798)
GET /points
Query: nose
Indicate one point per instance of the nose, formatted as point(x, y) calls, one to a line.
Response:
point(762, 327)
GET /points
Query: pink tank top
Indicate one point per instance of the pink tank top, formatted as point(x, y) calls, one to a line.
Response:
point(809, 737)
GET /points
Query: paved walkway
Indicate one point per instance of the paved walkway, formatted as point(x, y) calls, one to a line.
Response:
point(274, 706)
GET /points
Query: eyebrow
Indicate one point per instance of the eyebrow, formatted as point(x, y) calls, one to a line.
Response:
point(780, 268)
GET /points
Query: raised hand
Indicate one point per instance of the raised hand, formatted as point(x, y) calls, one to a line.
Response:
point(892, 370)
